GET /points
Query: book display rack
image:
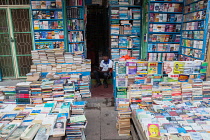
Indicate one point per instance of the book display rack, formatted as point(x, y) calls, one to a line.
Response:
point(125, 29)
point(194, 30)
point(164, 30)
point(48, 24)
point(76, 23)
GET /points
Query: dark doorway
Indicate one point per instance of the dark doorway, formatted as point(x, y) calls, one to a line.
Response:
point(97, 33)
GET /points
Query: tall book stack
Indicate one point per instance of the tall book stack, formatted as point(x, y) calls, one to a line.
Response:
point(123, 123)
point(48, 24)
point(125, 23)
point(76, 25)
point(58, 93)
point(164, 33)
point(47, 91)
point(36, 92)
point(23, 93)
point(77, 123)
point(195, 29)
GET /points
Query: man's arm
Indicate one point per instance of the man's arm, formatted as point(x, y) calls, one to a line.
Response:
point(109, 69)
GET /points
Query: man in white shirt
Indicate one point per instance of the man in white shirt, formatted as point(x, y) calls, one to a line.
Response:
point(104, 71)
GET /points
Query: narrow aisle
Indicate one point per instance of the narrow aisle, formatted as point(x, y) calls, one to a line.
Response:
point(101, 116)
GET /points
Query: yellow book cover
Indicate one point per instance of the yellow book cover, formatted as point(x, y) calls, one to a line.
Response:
point(152, 68)
point(178, 67)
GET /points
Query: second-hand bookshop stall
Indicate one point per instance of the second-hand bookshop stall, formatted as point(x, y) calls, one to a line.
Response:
point(165, 89)
point(49, 104)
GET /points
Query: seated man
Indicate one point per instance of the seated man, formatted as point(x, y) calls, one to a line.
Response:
point(104, 71)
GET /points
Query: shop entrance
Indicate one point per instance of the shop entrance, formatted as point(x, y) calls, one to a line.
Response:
point(15, 40)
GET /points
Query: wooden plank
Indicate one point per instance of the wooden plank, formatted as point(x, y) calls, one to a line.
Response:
point(138, 128)
point(133, 133)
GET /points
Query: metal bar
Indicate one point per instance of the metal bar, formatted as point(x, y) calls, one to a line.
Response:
point(13, 47)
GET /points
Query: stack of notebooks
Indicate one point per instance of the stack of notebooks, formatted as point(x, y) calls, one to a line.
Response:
point(23, 93)
point(123, 122)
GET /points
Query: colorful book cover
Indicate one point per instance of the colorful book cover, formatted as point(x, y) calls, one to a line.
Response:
point(152, 68)
point(183, 78)
point(178, 67)
point(153, 130)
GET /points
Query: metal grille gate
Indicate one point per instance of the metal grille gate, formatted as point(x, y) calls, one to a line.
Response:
point(15, 41)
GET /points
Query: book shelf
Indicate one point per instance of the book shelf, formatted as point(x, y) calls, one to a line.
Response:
point(76, 23)
point(125, 30)
point(194, 30)
point(48, 24)
point(164, 30)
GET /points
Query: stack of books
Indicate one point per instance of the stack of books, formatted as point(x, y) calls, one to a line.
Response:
point(75, 127)
point(9, 94)
point(32, 76)
point(23, 93)
point(122, 104)
point(78, 107)
point(69, 90)
point(58, 93)
point(206, 90)
point(36, 92)
point(47, 91)
point(55, 56)
point(124, 123)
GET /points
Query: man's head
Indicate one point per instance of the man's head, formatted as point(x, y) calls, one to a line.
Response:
point(105, 57)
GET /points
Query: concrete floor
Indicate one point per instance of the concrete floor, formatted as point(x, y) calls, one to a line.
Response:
point(101, 118)
point(100, 114)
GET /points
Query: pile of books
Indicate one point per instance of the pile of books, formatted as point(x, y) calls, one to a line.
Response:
point(75, 127)
point(58, 93)
point(36, 92)
point(61, 68)
point(69, 92)
point(78, 107)
point(47, 91)
point(33, 121)
point(23, 93)
point(56, 56)
point(124, 123)
point(55, 87)
point(77, 123)
point(188, 120)
point(175, 92)
point(33, 76)
point(9, 94)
